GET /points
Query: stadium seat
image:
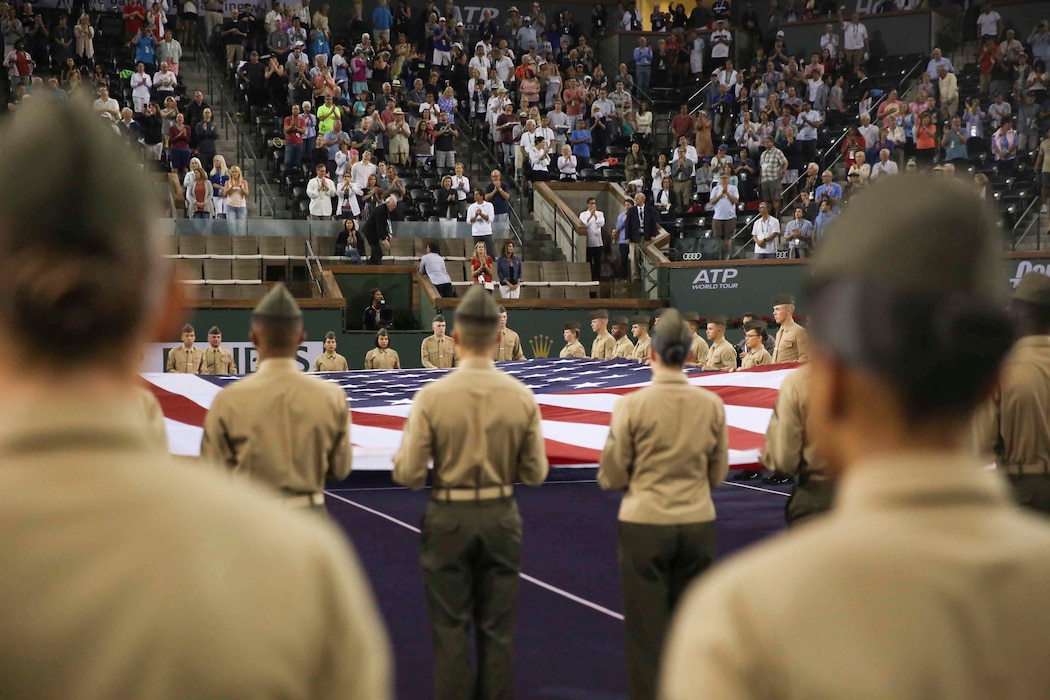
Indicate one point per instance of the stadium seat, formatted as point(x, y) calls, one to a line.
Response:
point(218, 245)
point(245, 245)
point(218, 269)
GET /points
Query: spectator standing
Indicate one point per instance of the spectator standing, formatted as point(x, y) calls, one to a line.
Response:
point(1004, 147)
point(508, 272)
point(1042, 166)
point(320, 190)
point(594, 221)
point(498, 194)
point(829, 191)
point(461, 186)
point(236, 192)
point(481, 266)
point(643, 61)
point(989, 23)
point(481, 216)
point(764, 232)
point(885, 166)
point(798, 234)
point(151, 125)
point(433, 266)
point(179, 145)
point(773, 164)
point(234, 32)
point(721, 44)
point(445, 134)
point(294, 130)
point(855, 40)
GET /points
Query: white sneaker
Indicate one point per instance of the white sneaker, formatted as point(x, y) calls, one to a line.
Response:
point(1044, 209)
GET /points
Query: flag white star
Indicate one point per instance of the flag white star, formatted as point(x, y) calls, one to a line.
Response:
point(587, 385)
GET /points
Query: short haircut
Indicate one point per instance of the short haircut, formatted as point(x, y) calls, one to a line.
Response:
point(475, 335)
point(278, 334)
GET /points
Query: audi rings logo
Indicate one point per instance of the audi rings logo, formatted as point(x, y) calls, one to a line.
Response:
point(692, 256)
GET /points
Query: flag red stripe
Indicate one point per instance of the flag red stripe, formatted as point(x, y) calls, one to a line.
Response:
point(178, 408)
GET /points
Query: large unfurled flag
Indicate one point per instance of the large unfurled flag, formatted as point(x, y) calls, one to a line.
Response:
point(576, 397)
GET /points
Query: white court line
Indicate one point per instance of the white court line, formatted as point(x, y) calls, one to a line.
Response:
point(525, 577)
point(756, 488)
point(405, 488)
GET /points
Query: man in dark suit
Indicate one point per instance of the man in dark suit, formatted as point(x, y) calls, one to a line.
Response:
point(377, 228)
point(641, 220)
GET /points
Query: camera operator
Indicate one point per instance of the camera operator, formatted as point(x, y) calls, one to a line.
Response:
point(377, 315)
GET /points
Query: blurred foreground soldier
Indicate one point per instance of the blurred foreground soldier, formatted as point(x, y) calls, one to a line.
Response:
point(330, 360)
point(1013, 425)
point(792, 341)
point(481, 428)
point(623, 348)
point(924, 580)
point(154, 415)
point(790, 452)
point(755, 354)
point(438, 351)
point(382, 356)
point(573, 346)
point(177, 585)
point(279, 426)
point(667, 447)
point(217, 359)
point(602, 347)
point(509, 342)
point(698, 349)
point(721, 356)
point(640, 330)
point(186, 359)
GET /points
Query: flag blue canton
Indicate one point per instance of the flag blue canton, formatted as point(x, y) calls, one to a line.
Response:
point(372, 389)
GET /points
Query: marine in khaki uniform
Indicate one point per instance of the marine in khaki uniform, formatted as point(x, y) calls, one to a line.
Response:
point(154, 415)
point(481, 429)
point(217, 359)
point(721, 356)
point(127, 574)
point(1012, 427)
point(924, 580)
point(667, 448)
point(755, 354)
point(698, 348)
point(438, 351)
point(602, 347)
point(330, 360)
point(640, 330)
point(280, 427)
point(186, 359)
point(768, 343)
point(509, 343)
point(573, 346)
point(382, 356)
point(624, 348)
point(792, 341)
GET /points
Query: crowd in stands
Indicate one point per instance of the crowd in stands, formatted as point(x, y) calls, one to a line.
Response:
point(396, 89)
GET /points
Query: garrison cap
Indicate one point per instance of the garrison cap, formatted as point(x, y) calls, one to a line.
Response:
point(573, 326)
point(781, 299)
point(600, 313)
point(214, 330)
point(691, 317)
point(672, 331)
point(755, 326)
point(381, 333)
point(620, 321)
point(641, 319)
point(955, 253)
point(1034, 288)
point(188, 329)
point(438, 318)
point(717, 319)
point(330, 335)
point(278, 305)
point(477, 306)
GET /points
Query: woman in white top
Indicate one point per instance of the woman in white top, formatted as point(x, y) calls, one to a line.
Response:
point(85, 39)
point(860, 167)
point(349, 206)
point(659, 171)
point(237, 192)
point(765, 232)
point(219, 176)
point(644, 120)
point(141, 82)
point(187, 184)
point(567, 164)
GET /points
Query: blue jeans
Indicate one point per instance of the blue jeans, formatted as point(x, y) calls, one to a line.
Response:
point(293, 153)
point(641, 77)
point(239, 217)
point(765, 256)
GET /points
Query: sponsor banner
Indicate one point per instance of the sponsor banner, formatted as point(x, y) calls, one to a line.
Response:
point(244, 355)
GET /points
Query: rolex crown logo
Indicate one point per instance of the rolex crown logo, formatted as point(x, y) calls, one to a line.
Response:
point(541, 346)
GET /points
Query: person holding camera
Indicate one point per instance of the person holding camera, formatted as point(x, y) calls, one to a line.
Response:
point(508, 269)
point(376, 315)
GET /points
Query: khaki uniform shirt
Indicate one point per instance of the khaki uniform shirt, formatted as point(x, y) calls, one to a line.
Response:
point(698, 352)
point(721, 356)
point(789, 448)
point(602, 347)
point(438, 352)
point(573, 349)
point(218, 361)
point(154, 415)
point(791, 344)
point(382, 358)
point(624, 348)
point(1013, 426)
point(641, 349)
point(756, 358)
point(330, 363)
point(113, 580)
point(480, 426)
point(509, 347)
point(667, 447)
point(183, 361)
point(281, 427)
point(924, 581)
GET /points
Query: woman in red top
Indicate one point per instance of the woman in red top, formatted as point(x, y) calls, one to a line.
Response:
point(200, 200)
point(481, 265)
point(179, 145)
point(925, 139)
point(853, 144)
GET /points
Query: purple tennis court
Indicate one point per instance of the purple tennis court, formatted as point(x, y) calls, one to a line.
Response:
point(569, 637)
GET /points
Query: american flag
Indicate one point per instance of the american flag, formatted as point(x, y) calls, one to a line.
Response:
point(576, 397)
